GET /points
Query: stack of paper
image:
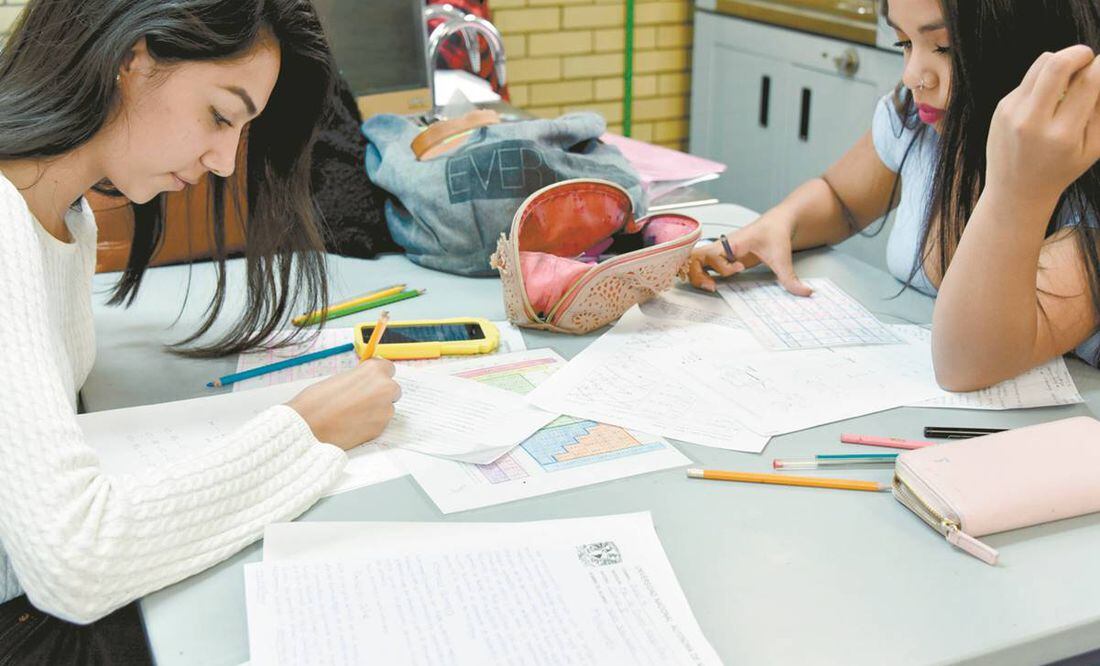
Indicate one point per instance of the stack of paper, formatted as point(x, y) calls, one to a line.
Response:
point(458, 419)
point(684, 367)
point(567, 453)
point(664, 170)
point(618, 380)
point(579, 591)
point(437, 415)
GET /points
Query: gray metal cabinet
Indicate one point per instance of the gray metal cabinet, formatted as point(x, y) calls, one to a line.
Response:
point(780, 106)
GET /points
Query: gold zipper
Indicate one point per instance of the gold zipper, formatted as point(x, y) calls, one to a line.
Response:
point(950, 529)
point(919, 506)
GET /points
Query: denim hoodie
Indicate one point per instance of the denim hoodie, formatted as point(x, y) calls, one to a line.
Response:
point(449, 212)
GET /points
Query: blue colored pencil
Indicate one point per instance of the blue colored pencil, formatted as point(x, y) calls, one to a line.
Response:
point(843, 460)
point(280, 365)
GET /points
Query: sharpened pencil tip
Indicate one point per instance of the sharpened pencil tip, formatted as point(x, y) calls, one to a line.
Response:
point(213, 384)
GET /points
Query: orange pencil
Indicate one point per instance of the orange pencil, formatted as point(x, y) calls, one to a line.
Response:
point(785, 480)
point(376, 335)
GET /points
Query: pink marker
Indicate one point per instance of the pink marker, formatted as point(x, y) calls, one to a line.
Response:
point(889, 442)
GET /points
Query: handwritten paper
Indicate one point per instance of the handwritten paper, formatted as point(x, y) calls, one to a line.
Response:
point(1045, 386)
point(511, 339)
point(135, 439)
point(615, 381)
point(773, 392)
point(568, 453)
point(583, 591)
point(458, 419)
point(781, 320)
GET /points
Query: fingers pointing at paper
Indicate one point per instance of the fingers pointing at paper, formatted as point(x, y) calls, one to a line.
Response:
point(767, 241)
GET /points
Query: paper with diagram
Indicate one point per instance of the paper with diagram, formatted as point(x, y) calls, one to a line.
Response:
point(567, 453)
point(615, 381)
point(583, 591)
point(511, 339)
point(781, 320)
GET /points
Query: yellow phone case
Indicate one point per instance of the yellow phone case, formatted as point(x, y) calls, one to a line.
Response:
point(397, 351)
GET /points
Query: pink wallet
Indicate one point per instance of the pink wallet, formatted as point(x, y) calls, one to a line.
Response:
point(1017, 478)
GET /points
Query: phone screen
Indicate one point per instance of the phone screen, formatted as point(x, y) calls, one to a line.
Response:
point(432, 333)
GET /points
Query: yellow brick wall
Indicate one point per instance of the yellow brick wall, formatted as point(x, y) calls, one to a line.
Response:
point(568, 55)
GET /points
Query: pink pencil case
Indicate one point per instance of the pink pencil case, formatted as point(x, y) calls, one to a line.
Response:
point(1018, 478)
point(553, 267)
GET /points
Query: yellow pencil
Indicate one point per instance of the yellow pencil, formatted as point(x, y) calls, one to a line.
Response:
point(785, 480)
point(376, 335)
point(317, 315)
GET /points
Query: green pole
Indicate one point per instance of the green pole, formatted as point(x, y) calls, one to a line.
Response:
point(628, 69)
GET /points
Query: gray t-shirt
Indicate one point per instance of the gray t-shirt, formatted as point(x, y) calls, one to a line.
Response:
point(892, 138)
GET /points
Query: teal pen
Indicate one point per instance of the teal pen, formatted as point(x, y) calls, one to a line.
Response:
point(280, 365)
point(846, 460)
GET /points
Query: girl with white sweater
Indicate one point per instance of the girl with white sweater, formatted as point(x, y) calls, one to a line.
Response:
point(148, 96)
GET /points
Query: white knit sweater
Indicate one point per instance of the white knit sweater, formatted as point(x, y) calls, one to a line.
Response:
point(81, 542)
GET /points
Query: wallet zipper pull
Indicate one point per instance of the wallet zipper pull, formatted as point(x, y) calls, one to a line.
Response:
point(969, 544)
point(950, 529)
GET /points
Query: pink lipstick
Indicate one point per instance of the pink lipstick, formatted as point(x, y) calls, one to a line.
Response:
point(929, 114)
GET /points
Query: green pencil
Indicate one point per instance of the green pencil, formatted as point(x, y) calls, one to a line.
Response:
point(336, 313)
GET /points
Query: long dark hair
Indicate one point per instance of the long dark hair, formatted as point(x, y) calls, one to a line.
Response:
point(993, 44)
point(58, 88)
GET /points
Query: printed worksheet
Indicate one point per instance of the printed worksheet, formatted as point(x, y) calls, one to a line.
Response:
point(1045, 386)
point(691, 305)
point(511, 339)
point(781, 320)
point(568, 453)
point(136, 439)
point(453, 418)
point(615, 381)
point(589, 591)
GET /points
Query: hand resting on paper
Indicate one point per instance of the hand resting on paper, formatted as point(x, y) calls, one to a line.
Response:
point(767, 240)
point(350, 408)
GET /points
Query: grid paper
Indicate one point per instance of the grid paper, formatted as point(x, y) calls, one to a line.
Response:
point(828, 318)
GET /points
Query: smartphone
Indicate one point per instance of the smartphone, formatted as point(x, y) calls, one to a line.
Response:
point(403, 340)
point(398, 333)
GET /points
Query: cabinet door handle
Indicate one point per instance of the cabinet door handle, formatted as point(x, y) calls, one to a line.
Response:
point(765, 97)
point(804, 119)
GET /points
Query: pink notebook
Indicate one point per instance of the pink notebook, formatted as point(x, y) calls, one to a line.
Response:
point(657, 163)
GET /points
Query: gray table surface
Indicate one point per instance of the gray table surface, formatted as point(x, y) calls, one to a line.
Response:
point(774, 575)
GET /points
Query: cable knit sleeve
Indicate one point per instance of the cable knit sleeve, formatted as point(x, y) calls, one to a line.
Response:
point(82, 542)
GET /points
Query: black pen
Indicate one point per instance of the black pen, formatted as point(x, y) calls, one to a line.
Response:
point(950, 432)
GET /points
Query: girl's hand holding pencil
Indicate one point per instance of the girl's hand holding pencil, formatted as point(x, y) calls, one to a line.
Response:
point(350, 408)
